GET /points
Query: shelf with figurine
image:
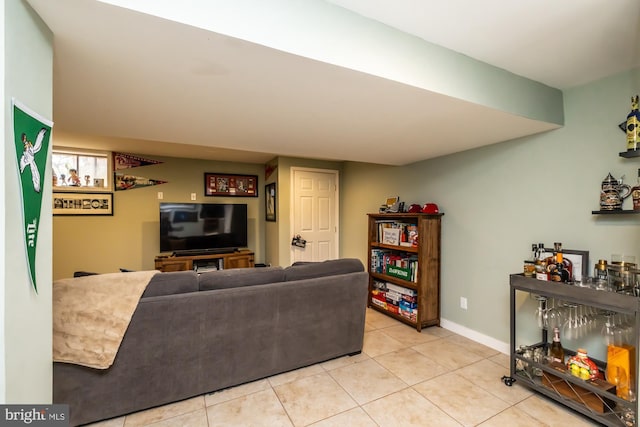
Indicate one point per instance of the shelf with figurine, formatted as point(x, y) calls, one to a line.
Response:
point(613, 194)
point(629, 154)
point(616, 212)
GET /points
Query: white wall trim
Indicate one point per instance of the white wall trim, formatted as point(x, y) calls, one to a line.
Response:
point(476, 336)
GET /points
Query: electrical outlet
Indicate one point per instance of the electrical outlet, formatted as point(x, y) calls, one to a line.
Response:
point(160, 195)
point(463, 303)
point(193, 196)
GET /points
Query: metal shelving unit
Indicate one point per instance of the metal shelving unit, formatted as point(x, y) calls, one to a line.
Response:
point(551, 380)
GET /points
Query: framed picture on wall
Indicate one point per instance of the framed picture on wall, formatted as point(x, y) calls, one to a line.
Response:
point(270, 201)
point(75, 203)
point(219, 184)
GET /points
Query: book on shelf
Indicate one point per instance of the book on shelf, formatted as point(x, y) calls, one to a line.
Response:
point(395, 299)
point(407, 233)
point(412, 234)
point(401, 265)
point(391, 236)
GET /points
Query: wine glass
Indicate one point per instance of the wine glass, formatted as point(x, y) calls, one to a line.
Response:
point(541, 311)
point(610, 329)
point(554, 315)
point(571, 327)
point(625, 330)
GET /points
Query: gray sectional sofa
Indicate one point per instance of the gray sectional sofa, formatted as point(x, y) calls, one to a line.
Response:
point(192, 334)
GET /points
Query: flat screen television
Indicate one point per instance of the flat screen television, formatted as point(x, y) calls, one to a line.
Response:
point(202, 227)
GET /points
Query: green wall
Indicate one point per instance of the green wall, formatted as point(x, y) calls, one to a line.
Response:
point(499, 199)
point(25, 358)
point(129, 239)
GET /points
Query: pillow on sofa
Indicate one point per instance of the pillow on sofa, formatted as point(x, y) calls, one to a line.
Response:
point(332, 267)
point(174, 282)
point(236, 277)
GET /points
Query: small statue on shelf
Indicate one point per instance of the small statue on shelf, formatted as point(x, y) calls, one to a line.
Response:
point(633, 126)
point(74, 179)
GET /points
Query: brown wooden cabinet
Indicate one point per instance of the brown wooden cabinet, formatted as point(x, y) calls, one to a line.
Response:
point(237, 259)
point(404, 280)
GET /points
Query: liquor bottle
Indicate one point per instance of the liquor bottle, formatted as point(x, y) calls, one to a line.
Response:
point(553, 269)
point(633, 126)
point(556, 352)
point(541, 264)
point(559, 268)
point(565, 267)
point(530, 264)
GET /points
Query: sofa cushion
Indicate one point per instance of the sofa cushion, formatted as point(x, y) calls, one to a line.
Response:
point(236, 277)
point(309, 270)
point(170, 283)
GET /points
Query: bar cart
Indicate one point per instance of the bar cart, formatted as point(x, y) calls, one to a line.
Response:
point(595, 398)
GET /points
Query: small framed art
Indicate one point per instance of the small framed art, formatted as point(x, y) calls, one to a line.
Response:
point(270, 201)
point(218, 184)
point(76, 203)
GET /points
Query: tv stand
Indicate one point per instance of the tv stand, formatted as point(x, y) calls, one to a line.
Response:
point(205, 262)
point(210, 251)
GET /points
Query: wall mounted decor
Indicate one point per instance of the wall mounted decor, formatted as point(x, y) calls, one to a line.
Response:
point(270, 201)
point(31, 134)
point(269, 169)
point(75, 203)
point(220, 184)
point(128, 161)
point(129, 182)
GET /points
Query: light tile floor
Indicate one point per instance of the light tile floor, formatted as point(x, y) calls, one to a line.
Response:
point(402, 378)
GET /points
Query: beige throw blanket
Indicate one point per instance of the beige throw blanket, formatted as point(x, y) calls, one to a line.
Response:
point(91, 315)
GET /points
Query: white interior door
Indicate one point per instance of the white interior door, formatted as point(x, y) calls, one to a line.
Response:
point(315, 214)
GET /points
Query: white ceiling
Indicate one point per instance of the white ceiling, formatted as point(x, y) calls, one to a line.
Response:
point(132, 82)
point(559, 43)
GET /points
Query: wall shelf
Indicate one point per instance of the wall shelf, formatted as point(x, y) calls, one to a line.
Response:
point(616, 212)
point(630, 154)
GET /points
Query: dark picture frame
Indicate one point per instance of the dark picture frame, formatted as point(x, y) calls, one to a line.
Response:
point(76, 203)
point(270, 200)
point(230, 185)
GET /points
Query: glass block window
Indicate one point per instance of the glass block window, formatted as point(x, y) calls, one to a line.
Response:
point(79, 170)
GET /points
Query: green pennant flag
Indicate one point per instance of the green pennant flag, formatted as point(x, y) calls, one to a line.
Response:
point(31, 134)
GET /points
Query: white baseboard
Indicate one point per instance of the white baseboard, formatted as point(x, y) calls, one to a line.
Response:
point(476, 336)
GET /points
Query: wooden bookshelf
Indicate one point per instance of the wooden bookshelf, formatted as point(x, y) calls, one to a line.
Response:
point(424, 284)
